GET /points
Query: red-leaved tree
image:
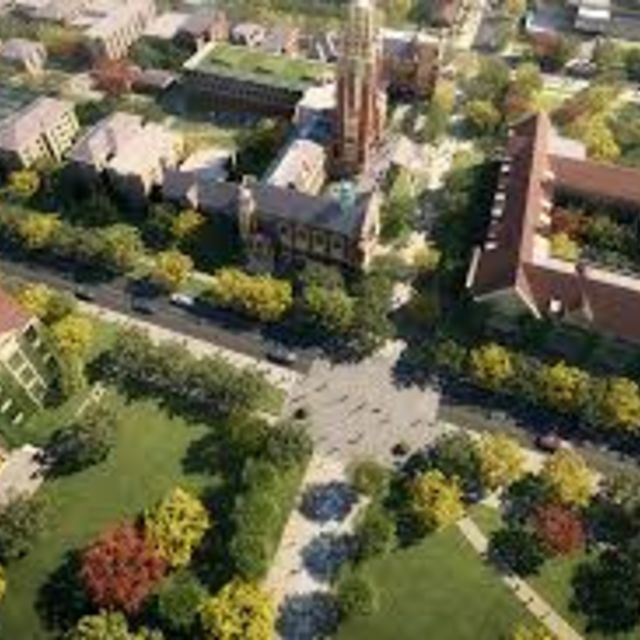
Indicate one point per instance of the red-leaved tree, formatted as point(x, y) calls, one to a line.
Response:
point(121, 568)
point(560, 528)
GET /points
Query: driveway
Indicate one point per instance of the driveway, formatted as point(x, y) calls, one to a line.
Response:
point(358, 411)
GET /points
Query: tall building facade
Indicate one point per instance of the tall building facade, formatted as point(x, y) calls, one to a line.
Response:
point(361, 101)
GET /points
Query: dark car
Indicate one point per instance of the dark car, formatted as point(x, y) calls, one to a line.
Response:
point(85, 294)
point(549, 442)
point(281, 355)
point(140, 305)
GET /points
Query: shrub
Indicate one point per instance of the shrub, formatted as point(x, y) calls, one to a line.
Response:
point(375, 532)
point(370, 478)
point(356, 595)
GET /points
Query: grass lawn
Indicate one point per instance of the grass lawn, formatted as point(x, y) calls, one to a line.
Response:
point(295, 71)
point(147, 461)
point(439, 589)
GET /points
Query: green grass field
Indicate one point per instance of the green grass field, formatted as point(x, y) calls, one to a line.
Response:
point(439, 589)
point(148, 460)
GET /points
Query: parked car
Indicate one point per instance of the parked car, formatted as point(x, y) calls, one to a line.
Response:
point(85, 294)
point(182, 300)
point(548, 442)
point(281, 355)
point(139, 305)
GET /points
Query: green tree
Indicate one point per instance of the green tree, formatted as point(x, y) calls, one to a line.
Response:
point(178, 603)
point(370, 478)
point(491, 366)
point(239, 611)
point(482, 116)
point(20, 523)
point(568, 477)
point(38, 229)
point(73, 336)
point(518, 549)
point(375, 532)
point(436, 500)
point(356, 595)
point(599, 139)
point(563, 387)
point(23, 184)
point(399, 210)
point(456, 455)
point(329, 310)
point(501, 460)
point(262, 297)
point(176, 526)
point(46, 304)
point(620, 404)
point(172, 269)
point(186, 223)
point(123, 246)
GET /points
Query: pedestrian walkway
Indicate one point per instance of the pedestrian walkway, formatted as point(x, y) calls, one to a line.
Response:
point(21, 473)
point(535, 604)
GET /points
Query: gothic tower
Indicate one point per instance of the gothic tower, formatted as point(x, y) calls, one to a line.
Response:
point(360, 99)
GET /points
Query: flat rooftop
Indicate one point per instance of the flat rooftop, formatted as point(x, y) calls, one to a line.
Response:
point(253, 64)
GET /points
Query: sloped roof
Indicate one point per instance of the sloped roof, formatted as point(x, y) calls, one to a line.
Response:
point(12, 315)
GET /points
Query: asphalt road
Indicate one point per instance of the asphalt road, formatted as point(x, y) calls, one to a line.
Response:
point(115, 295)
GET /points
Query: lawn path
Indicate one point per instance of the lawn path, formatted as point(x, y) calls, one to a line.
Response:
point(535, 604)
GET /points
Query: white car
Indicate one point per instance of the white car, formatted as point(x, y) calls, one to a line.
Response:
point(181, 300)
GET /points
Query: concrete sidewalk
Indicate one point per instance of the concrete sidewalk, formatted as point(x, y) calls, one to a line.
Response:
point(535, 604)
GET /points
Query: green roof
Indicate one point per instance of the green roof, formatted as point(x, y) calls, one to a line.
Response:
point(253, 64)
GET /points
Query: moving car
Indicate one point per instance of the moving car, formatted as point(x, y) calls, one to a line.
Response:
point(142, 306)
point(82, 293)
point(281, 355)
point(182, 300)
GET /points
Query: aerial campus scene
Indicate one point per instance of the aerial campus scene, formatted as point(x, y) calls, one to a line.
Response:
point(319, 319)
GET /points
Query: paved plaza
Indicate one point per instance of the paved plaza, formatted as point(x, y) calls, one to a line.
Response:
point(358, 411)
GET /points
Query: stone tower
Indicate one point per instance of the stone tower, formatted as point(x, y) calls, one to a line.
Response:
point(361, 103)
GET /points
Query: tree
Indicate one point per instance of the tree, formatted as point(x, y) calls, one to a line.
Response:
point(176, 526)
point(102, 626)
point(563, 387)
point(86, 442)
point(45, 303)
point(186, 223)
point(73, 336)
point(527, 80)
point(20, 523)
point(121, 569)
point(456, 456)
point(23, 184)
point(599, 139)
point(568, 477)
point(179, 601)
point(620, 404)
point(3, 582)
point(538, 632)
point(370, 478)
point(524, 496)
point(122, 246)
point(240, 611)
point(398, 213)
point(501, 460)
point(518, 549)
point(37, 229)
point(172, 269)
point(287, 445)
point(109, 626)
point(436, 500)
point(375, 532)
point(356, 595)
point(491, 366)
point(564, 248)
point(262, 297)
point(606, 591)
point(482, 116)
point(114, 77)
point(329, 310)
point(559, 528)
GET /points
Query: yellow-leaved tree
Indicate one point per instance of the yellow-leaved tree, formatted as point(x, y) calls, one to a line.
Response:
point(436, 500)
point(239, 611)
point(562, 386)
point(176, 526)
point(567, 475)
point(491, 365)
point(501, 460)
